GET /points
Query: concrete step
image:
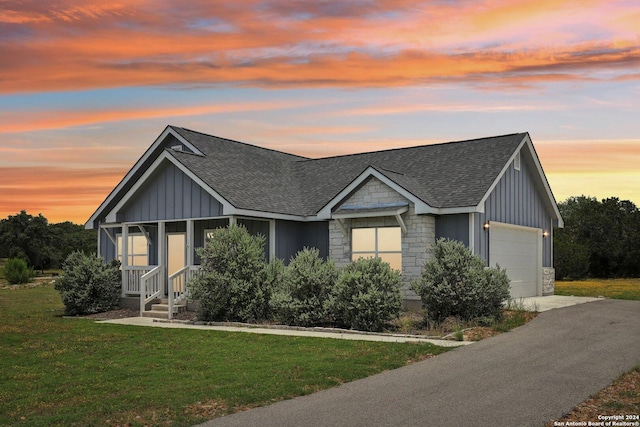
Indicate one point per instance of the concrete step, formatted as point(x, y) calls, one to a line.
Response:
point(156, 314)
point(177, 308)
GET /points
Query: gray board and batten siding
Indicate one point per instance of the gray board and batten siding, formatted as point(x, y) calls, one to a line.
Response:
point(169, 194)
point(453, 227)
point(292, 236)
point(515, 200)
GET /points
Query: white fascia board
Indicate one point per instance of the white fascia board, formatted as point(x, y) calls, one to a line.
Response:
point(159, 140)
point(545, 182)
point(226, 206)
point(459, 210)
point(420, 206)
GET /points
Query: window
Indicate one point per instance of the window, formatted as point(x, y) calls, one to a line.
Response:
point(137, 248)
point(378, 242)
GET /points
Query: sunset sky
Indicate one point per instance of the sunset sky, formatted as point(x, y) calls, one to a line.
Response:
point(86, 86)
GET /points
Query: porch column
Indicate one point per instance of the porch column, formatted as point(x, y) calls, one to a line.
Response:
point(190, 243)
point(99, 233)
point(162, 239)
point(125, 258)
point(272, 239)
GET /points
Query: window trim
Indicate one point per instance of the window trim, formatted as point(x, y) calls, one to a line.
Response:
point(376, 252)
point(130, 255)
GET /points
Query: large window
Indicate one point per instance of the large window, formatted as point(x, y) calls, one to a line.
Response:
point(378, 242)
point(137, 249)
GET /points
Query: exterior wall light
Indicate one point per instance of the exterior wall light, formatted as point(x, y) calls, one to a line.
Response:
point(545, 234)
point(486, 226)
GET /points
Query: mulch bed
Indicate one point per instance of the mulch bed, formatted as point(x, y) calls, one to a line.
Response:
point(127, 312)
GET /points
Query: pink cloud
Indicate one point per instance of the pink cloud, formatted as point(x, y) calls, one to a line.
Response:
point(75, 45)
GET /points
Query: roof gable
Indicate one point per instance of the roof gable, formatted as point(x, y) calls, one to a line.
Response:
point(442, 178)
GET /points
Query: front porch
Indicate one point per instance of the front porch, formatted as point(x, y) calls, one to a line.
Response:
point(156, 296)
point(158, 258)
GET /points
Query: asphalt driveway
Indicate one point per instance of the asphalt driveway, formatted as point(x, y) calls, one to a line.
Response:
point(526, 377)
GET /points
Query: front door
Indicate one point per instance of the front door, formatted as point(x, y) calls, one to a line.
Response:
point(176, 253)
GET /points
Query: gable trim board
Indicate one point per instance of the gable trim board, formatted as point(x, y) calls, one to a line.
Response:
point(418, 188)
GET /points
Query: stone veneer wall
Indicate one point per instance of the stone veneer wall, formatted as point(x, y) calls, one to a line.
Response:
point(548, 281)
point(416, 243)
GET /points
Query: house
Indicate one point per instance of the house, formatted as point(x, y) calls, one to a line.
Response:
point(489, 193)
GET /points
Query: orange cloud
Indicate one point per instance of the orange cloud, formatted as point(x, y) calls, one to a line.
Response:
point(94, 45)
point(18, 121)
point(595, 156)
point(59, 194)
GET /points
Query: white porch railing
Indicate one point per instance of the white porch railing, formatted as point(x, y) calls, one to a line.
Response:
point(178, 292)
point(150, 287)
point(133, 276)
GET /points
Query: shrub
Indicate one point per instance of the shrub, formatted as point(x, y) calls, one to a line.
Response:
point(231, 286)
point(88, 284)
point(302, 297)
point(16, 271)
point(366, 295)
point(456, 283)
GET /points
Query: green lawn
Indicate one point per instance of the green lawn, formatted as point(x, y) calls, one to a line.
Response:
point(613, 288)
point(57, 371)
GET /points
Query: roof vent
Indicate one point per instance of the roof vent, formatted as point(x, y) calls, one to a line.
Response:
point(178, 147)
point(516, 162)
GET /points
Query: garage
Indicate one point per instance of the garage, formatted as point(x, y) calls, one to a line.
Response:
point(518, 250)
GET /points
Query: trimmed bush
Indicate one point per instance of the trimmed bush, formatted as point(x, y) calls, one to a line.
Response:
point(456, 283)
point(366, 295)
point(232, 284)
point(16, 271)
point(88, 284)
point(302, 297)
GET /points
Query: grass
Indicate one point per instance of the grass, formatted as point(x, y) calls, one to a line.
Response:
point(619, 398)
point(628, 289)
point(57, 371)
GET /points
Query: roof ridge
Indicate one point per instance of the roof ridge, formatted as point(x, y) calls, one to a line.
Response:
point(300, 158)
point(412, 147)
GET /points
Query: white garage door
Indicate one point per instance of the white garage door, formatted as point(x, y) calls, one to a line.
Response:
point(519, 251)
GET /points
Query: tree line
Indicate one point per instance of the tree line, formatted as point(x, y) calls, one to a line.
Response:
point(600, 239)
point(40, 244)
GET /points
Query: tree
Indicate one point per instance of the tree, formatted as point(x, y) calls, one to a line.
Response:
point(68, 237)
point(27, 237)
point(599, 238)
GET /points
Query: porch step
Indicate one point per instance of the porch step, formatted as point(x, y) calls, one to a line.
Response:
point(161, 310)
point(156, 314)
point(177, 308)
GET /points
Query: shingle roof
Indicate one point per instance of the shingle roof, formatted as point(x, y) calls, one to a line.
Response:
point(448, 175)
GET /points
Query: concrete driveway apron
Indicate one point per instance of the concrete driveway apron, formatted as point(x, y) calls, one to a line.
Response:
point(525, 377)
